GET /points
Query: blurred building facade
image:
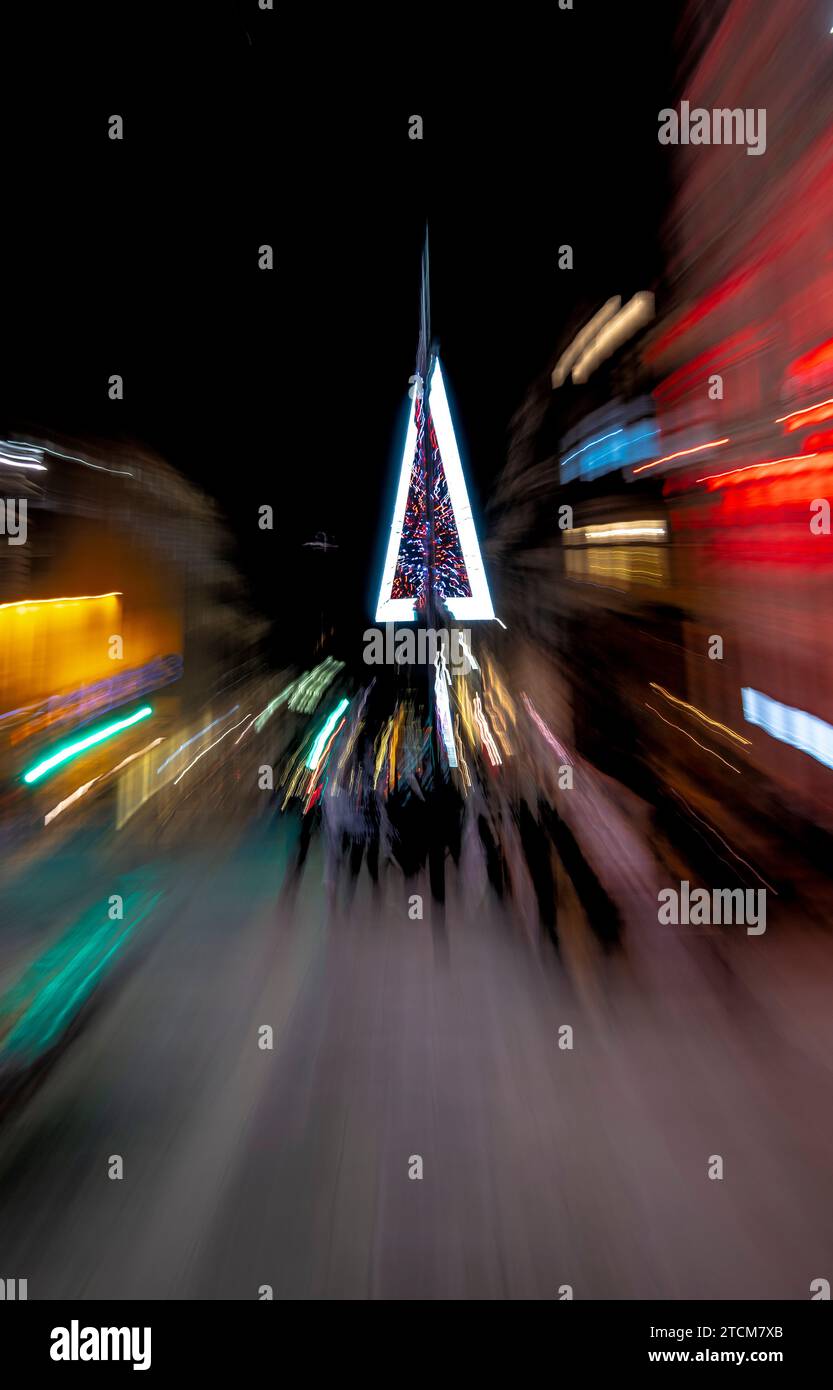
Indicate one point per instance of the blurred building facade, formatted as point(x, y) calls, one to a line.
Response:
point(743, 353)
point(683, 578)
point(120, 594)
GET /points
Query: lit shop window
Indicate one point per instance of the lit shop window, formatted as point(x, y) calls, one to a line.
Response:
point(618, 566)
point(618, 554)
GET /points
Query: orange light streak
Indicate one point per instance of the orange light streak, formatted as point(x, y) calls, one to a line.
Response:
point(681, 453)
point(750, 467)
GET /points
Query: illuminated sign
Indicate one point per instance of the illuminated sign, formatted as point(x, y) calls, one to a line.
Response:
point(81, 705)
point(583, 339)
point(619, 435)
point(616, 331)
point(788, 725)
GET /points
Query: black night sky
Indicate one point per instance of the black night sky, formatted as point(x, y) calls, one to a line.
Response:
point(244, 127)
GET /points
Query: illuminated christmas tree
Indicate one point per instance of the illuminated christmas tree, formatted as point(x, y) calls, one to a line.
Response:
point(433, 557)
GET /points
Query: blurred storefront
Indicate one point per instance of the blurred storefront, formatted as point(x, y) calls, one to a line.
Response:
point(125, 600)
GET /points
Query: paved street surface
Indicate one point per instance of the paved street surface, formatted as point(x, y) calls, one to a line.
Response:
point(542, 1166)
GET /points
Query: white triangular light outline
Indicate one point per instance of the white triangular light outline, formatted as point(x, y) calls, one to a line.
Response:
point(478, 605)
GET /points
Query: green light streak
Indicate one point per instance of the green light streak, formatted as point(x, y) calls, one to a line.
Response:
point(38, 1009)
point(266, 714)
point(71, 750)
point(318, 746)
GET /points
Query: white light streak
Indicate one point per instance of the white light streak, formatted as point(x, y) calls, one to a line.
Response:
point(80, 791)
point(194, 738)
point(178, 779)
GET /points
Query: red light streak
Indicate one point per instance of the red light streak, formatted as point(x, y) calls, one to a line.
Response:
point(819, 443)
point(705, 306)
point(817, 357)
point(689, 377)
